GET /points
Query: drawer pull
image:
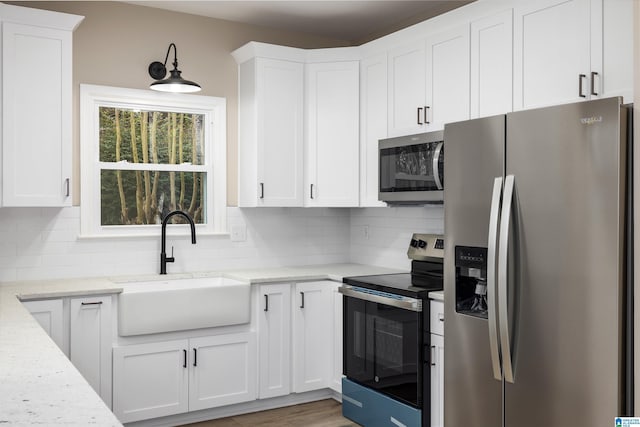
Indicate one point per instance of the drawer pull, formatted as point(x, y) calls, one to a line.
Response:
point(91, 303)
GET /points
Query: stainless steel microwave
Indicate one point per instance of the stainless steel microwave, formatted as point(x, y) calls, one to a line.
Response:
point(411, 169)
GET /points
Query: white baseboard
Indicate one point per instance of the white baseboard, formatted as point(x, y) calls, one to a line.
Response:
point(240, 408)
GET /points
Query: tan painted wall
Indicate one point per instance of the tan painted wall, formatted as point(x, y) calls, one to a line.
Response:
point(116, 42)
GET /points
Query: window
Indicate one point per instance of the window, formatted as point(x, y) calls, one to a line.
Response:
point(145, 154)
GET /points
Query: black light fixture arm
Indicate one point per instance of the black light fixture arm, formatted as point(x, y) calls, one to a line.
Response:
point(175, 55)
point(158, 70)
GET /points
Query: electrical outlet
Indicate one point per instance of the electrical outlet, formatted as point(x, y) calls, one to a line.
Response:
point(238, 233)
point(366, 232)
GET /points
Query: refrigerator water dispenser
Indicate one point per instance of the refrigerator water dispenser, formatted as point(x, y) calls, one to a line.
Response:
point(471, 281)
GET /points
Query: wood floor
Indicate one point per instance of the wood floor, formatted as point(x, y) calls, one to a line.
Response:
point(324, 413)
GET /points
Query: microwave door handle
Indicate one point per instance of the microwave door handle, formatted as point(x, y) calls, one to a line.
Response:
point(503, 251)
point(494, 219)
point(436, 166)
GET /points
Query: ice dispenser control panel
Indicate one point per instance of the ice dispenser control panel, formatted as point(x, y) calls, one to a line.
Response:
point(471, 281)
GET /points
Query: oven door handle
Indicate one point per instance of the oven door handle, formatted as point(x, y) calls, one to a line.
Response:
point(405, 303)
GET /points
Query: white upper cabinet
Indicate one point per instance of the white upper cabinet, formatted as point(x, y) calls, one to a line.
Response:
point(612, 52)
point(36, 106)
point(447, 77)
point(572, 50)
point(332, 134)
point(428, 82)
point(270, 132)
point(406, 89)
point(552, 62)
point(373, 124)
point(492, 65)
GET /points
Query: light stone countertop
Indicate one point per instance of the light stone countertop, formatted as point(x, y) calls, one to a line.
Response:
point(437, 295)
point(39, 385)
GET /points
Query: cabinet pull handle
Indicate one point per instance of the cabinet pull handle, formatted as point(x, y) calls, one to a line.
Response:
point(419, 110)
point(67, 183)
point(302, 303)
point(184, 363)
point(91, 303)
point(195, 357)
point(312, 191)
point(426, 108)
point(441, 317)
point(594, 74)
point(266, 302)
point(262, 190)
point(581, 77)
point(433, 355)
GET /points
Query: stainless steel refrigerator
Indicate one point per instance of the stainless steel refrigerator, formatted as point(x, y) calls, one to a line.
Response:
point(537, 283)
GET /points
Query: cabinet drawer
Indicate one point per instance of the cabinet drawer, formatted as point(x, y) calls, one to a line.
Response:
point(436, 321)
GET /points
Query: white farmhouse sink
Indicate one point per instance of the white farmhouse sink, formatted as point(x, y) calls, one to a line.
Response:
point(181, 304)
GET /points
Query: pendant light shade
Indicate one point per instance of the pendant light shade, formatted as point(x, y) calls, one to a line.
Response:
point(174, 83)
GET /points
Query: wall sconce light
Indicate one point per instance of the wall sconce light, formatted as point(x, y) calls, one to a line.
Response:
point(174, 83)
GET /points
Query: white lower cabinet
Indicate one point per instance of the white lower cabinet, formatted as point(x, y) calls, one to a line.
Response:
point(274, 340)
point(150, 380)
point(312, 331)
point(90, 342)
point(171, 377)
point(336, 378)
point(49, 314)
point(437, 363)
point(222, 371)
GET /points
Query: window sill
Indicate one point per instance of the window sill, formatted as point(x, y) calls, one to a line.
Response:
point(224, 234)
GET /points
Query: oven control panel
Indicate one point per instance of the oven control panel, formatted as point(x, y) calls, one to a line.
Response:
point(424, 247)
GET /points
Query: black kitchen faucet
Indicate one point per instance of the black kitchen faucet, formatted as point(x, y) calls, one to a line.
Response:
point(164, 259)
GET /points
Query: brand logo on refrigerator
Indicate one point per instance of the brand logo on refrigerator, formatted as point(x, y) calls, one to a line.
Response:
point(590, 120)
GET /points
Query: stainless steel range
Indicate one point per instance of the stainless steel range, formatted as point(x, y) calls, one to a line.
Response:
point(386, 340)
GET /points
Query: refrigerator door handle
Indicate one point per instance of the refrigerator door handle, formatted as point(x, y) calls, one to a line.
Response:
point(492, 245)
point(436, 167)
point(503, 252)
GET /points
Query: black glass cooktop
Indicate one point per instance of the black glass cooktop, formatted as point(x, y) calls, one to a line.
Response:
point(393, 283)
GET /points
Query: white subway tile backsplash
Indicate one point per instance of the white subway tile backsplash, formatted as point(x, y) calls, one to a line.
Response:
point(40, 244)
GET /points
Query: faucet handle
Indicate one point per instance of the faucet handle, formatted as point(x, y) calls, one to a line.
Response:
point(170, 258)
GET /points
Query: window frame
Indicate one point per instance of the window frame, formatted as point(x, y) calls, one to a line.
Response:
point(92, 97)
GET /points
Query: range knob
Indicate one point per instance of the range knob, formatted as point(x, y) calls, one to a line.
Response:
point(414, 243)
point(422, 244)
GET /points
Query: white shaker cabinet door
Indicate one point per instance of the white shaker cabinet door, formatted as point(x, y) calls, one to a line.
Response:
point(437, 380)
point(150, 380)
point(312, 332)
point(492, 65)
point(90, 342)
point(332, 134)
point(406, 89)
point(36, 115)
point(612, 53)
point(373, 125)
point(551, 52)
point(274, 340)
point(49, 314)
point(223, 370)
point(447, 77)
point(336, 378)
point(270, 146)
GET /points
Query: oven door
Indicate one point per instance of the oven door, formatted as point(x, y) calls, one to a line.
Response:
point(383, 343)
